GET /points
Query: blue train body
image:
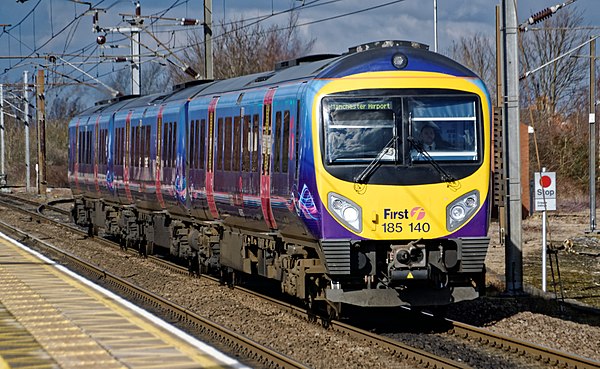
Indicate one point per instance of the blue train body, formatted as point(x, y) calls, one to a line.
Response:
point(311, 175)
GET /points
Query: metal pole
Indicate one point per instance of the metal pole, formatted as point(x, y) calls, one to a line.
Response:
point(135, 53)
point(41, 129)
point(26, 120)
point(592, 121)
point(2, 172)
point(500, 145)
point(435, 33)
point(208, 53)
point(513, 241)
point(544, 240)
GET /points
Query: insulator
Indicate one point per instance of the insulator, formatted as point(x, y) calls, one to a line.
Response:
point(120, 60)
point(191, 72)
point(188, 22)
point(540, 16)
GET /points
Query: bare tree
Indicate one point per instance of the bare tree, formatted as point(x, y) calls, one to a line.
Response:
point(477, 53)
point(65, 102)
point(242, 48)
point(155, 78)
point(554, 99)
point(552, 87)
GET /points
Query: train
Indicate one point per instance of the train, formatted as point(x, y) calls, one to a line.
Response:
point(314, 176)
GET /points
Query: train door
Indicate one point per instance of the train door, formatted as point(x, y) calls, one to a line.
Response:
point(127, 160)
point(101, 157)
point(248, 186)
point(210, 162)
point(265, 171)
point(85, 157)
point(227, 166)
point(169, 180)
point(197, 147)
point(96, 156)
point(285, 112)
point(144, 159)
point(158, 164)
point(74, 155)
point(181, 169)
point(110, 157)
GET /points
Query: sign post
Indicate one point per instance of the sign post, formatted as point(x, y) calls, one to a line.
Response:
point(545, 199)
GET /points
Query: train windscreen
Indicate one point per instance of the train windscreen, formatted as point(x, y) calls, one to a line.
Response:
point(359, 130)
point(444, 128)
point(432, 127)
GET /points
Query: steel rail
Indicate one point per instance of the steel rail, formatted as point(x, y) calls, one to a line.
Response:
point(484, 336)
point(236, 342)
point(417, 356)
point(538, 352)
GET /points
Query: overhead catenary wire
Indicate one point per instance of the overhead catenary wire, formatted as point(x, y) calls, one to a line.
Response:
point(174, 50)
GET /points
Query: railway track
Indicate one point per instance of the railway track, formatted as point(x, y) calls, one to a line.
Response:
point(202, 327)
point(545, 356)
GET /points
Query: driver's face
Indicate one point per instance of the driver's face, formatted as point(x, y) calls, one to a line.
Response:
point(427, 135)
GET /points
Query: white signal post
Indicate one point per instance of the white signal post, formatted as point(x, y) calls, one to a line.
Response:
point(545, 199)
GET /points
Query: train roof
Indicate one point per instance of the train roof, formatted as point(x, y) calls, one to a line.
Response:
point(370, 57)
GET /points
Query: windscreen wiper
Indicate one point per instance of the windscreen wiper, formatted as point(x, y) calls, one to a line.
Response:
point(445, 176)
point(364, 176)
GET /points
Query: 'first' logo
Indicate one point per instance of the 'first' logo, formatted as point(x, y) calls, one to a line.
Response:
point(418, 213)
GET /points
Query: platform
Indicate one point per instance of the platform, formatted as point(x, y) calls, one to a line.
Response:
point(52, 318)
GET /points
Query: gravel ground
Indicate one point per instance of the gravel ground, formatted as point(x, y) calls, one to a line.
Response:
point(533, 319)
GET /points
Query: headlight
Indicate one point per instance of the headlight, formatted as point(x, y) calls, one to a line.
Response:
point(345, 211)
point(458, 213)
point(461, 209)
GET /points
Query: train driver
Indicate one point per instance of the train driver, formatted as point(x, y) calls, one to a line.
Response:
point(429, 139)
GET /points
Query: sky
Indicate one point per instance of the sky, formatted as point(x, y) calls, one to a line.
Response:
point(62, 27)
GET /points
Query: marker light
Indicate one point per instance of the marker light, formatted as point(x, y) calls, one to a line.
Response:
point(461, 209)
point(399, 60)
point(345, 211)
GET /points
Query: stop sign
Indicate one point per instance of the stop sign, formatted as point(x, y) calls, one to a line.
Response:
point(545, 191)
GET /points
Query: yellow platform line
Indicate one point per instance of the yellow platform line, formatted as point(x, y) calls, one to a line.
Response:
point(192, 352)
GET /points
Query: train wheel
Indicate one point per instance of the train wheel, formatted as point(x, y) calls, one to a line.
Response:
point(142, 248)
point(92, 230)
point(311, 309)
point(227, 277)
point(332, 313)
point(149, 248)
point(125, 243)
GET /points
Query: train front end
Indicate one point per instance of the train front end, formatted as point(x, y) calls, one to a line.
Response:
point(401, 150)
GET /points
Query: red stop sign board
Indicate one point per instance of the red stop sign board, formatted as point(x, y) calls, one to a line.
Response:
point(545, 191)
point(545, 181)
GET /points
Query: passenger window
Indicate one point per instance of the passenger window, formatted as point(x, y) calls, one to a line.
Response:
point(228, 146)
point(192, 151)
point(237, 138)
point(80, 147)
point(201, 145)
point(173, 145)
point(166, 143)
point(285, 156)
point(277, 153)
point(254, 143)
point(246, 144)
point(220, 144)
point(135, 150)
point(147, 152)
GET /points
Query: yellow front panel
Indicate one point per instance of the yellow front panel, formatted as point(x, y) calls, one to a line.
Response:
point(402, 212)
